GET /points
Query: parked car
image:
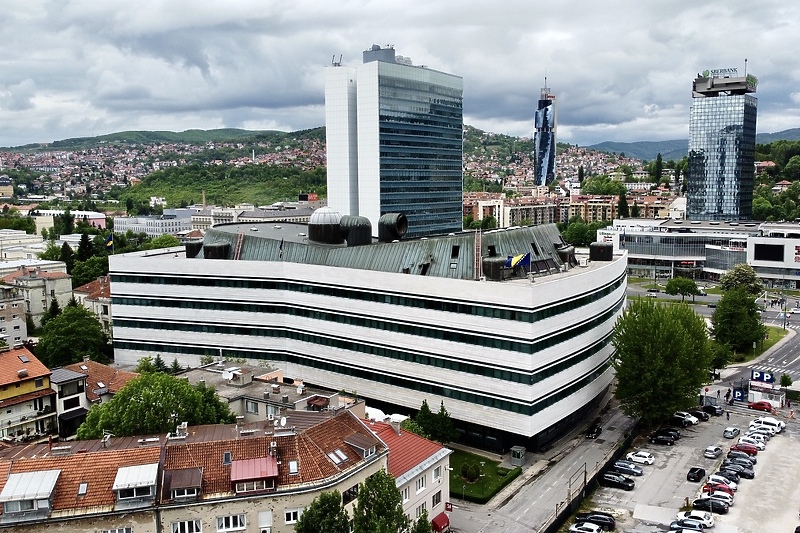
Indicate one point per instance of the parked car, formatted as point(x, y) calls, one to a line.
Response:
point(700, 415)
point(758, 425)
point(615, 480)
point(696, 474)
point(729, 474)
point(746, 448)
point(747, 463)
point(707, 519)
point(761, 405)
point(752, 434)
point(662, 439)
point(687, 524)
point(585, 527)
point(721, 496)
point(701, 292)
point(736, 453)
point(742, 471)
point(641, 457)
point(654, 290)
point(710, 504)
point(765, 431)
point(594, 431)
point(779, 425)
point(722, 480)
point(671, 432)
point(730, 432)
point(714, 410)
point(627, 468)
point(688, 417)
point(605, 520)
point(758, 445)
point(712, 452)
point(711, 487)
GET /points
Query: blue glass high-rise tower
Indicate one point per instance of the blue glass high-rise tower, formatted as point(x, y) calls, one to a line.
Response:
point(722, 143)
point(544, 140)
point(394, 142)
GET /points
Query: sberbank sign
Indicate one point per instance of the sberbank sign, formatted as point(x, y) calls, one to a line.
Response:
point(717, 72)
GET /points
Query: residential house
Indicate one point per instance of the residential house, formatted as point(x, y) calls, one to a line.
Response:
point(96, 297)
point(102, 381)
point(13, 328)
point(254, 478)
point(421, 471)
point(39, 288)
point(72, 404)
point(27, 403)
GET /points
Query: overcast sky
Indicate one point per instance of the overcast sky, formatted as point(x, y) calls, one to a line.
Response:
point(621, 70)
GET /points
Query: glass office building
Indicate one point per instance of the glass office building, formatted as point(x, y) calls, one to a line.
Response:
point(722, 140)
point(395, 142)
point(544, 139)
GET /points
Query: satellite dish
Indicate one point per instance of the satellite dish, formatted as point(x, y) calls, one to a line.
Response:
point(276, 423)
point(283, 421)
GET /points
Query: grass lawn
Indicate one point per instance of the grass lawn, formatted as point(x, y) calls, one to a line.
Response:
point(774, 334)
point(491, 477)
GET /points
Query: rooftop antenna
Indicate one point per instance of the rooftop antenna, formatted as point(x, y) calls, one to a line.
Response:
point(745, 67)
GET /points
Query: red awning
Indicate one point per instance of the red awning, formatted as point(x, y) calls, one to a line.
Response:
point(440, 523)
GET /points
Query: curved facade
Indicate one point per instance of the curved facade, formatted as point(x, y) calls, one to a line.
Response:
point(514, 361)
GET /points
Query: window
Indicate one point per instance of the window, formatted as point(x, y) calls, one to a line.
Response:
point(14, 305)
point(437, 473)
point(226, 458)
point(436, 500)
point(38, 382)
point(350, 494)
point(118, 530)
point(16, 328)
point(235, 522)
point(19, 506)
point(404, 493)
point(187, 526)
point(420, 484)
point(72, 403)
point(258, 484)
point(292, 515)
point(420, 509)
point(136, 492)
point(14, 317)
point(185, 493)
point(251, 407)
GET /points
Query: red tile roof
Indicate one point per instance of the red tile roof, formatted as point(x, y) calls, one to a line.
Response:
point(97, 470)
point(99, 288)
point(406, 450)
point(33, 273)
point(22, 398)
point(11, 364)
point(112, 378)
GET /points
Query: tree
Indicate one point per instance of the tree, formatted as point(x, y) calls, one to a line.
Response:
point(85, 271)
point(325, 514)
point(683, 286)
point(155, 403)
point(425, 419)
point(162, 241)
point(741, 276)
point(445, 431)
point(659, 168)
point(67, 256)
point(52, 252)
point(662, 358)
point(622, 207)
point(68, 337)
point(736, 320)
point(53, 311)
point(159, 364)
point(580, 174)
point(422, 525)
point(379, 508)
point(413, 427)
point(792, 169)
point(635, 211)
point(786, 379)
point(176, 367)
point(721, 354)
point(145, 365)
point(84, 247)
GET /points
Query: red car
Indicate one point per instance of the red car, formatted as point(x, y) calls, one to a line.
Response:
point(760, 405)
point(719, 487)
point(749, 449)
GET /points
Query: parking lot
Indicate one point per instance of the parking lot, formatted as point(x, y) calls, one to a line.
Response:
point(770, 502)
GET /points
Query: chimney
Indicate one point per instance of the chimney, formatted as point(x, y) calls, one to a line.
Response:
point(85, 358)
point(396, 426)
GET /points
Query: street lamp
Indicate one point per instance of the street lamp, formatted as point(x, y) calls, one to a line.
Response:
point(463, 491)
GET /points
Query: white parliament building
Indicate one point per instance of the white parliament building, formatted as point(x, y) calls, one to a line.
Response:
point(518, 354)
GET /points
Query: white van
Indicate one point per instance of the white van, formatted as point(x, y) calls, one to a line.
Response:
point(772, 422)
point(760, 446)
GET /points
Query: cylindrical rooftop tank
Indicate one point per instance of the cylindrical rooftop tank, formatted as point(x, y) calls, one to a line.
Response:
point(601, 251)
point(323, 226)
point(193, 248)
point(392, 227)
point(216, 250)
point(356, 230)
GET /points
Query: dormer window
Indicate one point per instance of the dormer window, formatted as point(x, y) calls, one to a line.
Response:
point(253, 475)
point(365, 445)
point(135, 486)
point(183, 483)
point(29, 495)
